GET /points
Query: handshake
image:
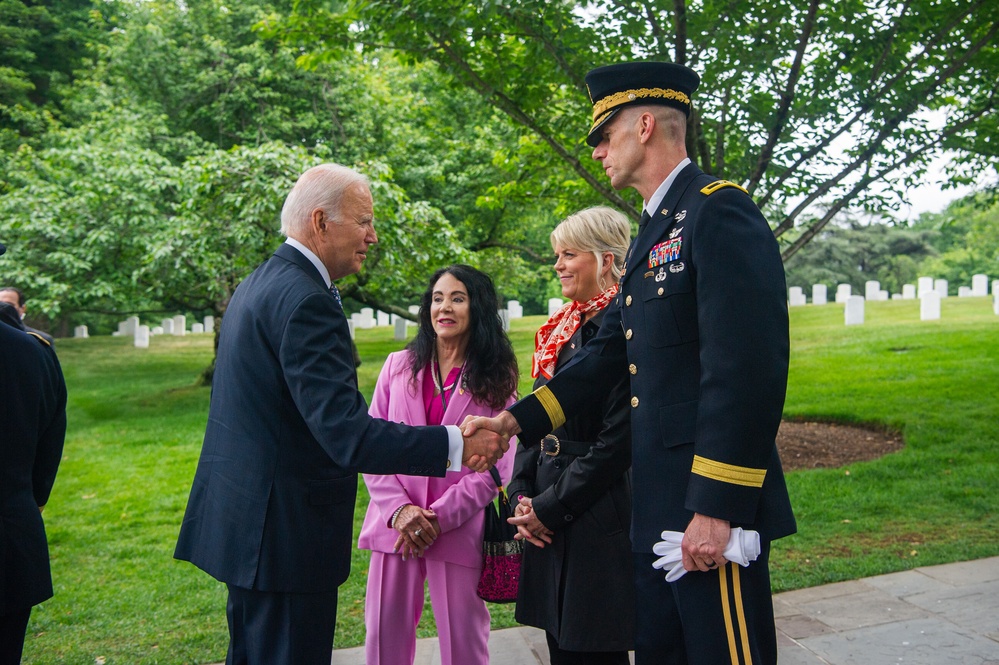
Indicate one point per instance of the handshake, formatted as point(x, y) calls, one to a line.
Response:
point(486, 439)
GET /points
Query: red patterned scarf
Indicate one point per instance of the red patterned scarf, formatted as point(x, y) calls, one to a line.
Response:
point(560, 327)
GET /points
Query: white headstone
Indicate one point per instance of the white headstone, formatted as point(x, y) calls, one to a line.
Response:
point(209, 324)
point(367, 319)
point(995, 301)
point(383, 318)
point(167, 326)
point(505, 319)
point(400, 329)
point(842, 292)
point(516, 311)
point(929, 306)
point(820, 294)
point(355, 319)
point(924, 284)
point(908, 292)
point(142, 337)
point(131, 325)
point(979, 285)
point(940, 286)
point(995, 286)
point(554, 304)
point(854, 311)
point(122, 328)
point(896, 296)
point(197, 328)
point(964, 292)
point(158, 330)
point(883, 294)
point(180, 325)
point(795, 296)
point(415, 311)
point(872, 288)
point(351, 324)
point(81, 331)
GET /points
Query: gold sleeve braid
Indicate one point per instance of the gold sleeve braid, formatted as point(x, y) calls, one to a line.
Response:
point(551, 406)
point(728, 473)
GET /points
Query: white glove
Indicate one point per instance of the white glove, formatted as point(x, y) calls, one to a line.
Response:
point(742, 548)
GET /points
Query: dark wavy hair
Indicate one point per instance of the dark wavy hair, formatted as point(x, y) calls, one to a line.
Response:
point(490, 363)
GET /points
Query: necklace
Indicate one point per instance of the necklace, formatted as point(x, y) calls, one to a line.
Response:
point(440, 389)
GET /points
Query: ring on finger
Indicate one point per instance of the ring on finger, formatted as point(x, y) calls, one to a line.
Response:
point(417, 533)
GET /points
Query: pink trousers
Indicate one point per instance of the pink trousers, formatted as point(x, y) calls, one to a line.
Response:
point(394, 604)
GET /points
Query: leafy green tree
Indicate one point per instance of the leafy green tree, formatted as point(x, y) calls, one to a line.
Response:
point(812, 106)
point(968, 232)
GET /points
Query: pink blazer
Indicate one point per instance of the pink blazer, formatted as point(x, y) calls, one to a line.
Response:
point(457, 498)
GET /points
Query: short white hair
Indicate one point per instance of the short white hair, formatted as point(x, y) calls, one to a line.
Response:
point(321, 187)
point(598, 230)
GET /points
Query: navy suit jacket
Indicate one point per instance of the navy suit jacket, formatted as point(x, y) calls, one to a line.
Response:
point(32, 431)
point(272, 504)
point(701, 322)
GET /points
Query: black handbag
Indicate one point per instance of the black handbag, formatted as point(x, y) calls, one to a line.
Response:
point(501, 554)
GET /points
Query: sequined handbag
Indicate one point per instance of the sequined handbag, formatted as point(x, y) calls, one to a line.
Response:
point(501, 554)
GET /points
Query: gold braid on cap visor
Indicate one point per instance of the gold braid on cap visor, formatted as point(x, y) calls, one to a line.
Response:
point(602, 108)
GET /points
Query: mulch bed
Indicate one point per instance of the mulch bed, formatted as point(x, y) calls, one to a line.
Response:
point(816, 445)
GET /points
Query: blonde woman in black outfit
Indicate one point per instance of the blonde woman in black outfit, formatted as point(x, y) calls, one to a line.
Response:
point(573, 488)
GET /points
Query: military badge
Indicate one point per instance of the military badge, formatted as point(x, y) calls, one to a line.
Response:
point(665, 252)
point(676, 267)
point(680, 215)
point(661, 275)
point(675, 232)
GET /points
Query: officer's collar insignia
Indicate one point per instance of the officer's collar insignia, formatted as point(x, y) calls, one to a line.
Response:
point(680, 215)
point(664, 211)
point(675, 232)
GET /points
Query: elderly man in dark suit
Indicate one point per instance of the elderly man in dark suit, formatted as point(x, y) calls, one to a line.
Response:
point(701, 322)
point(33, 421)
point(272, 504)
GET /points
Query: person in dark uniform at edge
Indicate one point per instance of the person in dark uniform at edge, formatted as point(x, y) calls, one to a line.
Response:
point(33, 417)
point(701, 322)
point(15, 297)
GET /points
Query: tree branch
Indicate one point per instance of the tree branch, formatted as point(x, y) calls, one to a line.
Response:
point(786, 97)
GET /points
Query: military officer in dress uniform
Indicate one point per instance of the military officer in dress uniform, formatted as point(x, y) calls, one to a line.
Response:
point(33, 422)
point(701, 321)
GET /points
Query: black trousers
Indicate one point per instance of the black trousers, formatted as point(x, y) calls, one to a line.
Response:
point(720, 617)
point(557, 656)
point(267, 628)
point(12, 627)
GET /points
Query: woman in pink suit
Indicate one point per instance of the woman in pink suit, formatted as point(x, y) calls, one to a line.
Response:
point(429, 530)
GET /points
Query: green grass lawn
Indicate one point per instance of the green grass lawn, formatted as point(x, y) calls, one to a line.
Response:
point(136, 421)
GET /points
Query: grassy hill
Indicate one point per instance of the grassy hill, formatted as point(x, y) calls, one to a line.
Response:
point(136, 422)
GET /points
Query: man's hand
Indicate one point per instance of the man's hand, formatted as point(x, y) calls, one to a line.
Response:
point(483, 449)
point(503, 424)
point(704, 543)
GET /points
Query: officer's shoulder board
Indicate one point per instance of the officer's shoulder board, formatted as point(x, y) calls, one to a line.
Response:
point(40, 338)
point(721, 184)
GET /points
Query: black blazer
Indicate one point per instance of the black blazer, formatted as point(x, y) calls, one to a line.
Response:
point(701, 322)
point(33, 426)
point(272, 503)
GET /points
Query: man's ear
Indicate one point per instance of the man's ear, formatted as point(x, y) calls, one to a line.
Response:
point(318, 221)
point(646, 126)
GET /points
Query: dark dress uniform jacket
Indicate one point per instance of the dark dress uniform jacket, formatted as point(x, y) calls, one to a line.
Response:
point(580, 588)
point(272, 504)
point(33, 426)
point(701, 323)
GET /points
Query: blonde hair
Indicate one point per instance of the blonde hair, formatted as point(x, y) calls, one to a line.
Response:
point(598, 230)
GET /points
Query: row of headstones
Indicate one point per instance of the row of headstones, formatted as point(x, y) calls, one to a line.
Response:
point(370, 318)
point(131, 327)
point(873, 291)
